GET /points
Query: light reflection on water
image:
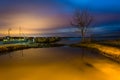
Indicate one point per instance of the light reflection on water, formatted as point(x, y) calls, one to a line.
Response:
point(57, 64)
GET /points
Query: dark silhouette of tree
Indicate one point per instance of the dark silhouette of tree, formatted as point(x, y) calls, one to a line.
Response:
point(82, 20)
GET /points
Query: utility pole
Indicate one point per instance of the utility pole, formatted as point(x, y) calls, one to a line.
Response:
point(20, 31)
point(9, 32)
point(8, 37)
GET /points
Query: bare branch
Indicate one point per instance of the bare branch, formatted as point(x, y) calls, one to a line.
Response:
point(82, 20)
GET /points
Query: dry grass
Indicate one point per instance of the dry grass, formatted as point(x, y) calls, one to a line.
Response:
point(108, 51)
point(113, 43)
point(105, 49)
point(12, 47)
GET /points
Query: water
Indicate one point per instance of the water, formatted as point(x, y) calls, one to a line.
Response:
point(62, 63)
point(70, 40)
point(1, 42)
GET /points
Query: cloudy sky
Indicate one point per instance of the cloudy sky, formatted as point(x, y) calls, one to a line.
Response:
point(47, 16)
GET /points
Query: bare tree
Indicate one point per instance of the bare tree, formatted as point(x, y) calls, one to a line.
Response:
point(82, 20)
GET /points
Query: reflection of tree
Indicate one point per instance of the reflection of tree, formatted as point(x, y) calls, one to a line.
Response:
point(10, 55)
point(22, 53)
point(83, 52)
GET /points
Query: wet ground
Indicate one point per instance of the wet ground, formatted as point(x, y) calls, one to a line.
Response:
point(62, 63)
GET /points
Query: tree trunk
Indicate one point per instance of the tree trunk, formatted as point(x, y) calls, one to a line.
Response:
point(83, 36)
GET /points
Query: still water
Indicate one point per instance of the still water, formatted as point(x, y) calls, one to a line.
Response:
point(63, 63)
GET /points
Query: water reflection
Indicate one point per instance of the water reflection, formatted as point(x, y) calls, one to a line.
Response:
point(57, 64)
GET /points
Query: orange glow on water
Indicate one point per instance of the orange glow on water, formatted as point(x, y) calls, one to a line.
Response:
point(50, 64)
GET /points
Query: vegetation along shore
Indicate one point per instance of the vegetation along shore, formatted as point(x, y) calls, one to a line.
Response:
point(109, 49)
point(42, 42)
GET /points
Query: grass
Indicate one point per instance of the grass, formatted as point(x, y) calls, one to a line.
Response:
point(107, 50)
point(42, 42)
point(12, 47)
point(113, 43)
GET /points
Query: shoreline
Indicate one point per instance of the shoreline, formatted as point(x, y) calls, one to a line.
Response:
point(12, 47)
point(15, 47)
point(109, 49)
point(106, 50)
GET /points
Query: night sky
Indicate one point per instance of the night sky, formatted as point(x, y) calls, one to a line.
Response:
point(47, 16)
